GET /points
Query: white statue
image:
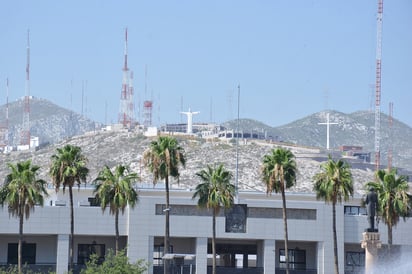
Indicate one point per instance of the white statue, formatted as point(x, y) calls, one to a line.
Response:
point(190, 120)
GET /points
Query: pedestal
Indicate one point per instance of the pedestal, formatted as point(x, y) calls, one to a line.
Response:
point(371, 243)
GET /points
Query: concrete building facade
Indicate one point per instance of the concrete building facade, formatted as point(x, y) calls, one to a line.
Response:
point(249, 237)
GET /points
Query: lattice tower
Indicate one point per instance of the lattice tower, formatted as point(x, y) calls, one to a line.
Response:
point(378, 83)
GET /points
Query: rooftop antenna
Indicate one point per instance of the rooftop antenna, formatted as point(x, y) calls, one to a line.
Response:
point(25, 134)
point(237, 148)
point(6, 137)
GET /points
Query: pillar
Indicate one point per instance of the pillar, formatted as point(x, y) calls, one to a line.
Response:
point(201, 255)
point(269, 256)
point(62, 257)
point(371, 243)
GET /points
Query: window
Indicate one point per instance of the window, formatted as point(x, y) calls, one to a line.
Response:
point(355, 258)
point(355, 210)
point(28, 253)
point(85, 250)
point(297, 258)
point(158, 254)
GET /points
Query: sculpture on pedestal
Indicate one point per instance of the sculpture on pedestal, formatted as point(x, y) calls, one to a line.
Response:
point(371, 208)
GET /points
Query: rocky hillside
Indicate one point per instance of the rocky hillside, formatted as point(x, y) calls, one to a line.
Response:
point(110, 148)
point(357, 129)
point(48, 121)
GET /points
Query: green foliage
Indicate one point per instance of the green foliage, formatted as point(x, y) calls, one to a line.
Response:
point(279, 170)
point(334, 183)
point(116, 188)
point(14, 270)
point(164, 157)
point(114, 264)
point(215, 191)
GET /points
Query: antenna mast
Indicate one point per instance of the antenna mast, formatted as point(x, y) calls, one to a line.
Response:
point(25, 133)
point(126, 113)
point(378, 84)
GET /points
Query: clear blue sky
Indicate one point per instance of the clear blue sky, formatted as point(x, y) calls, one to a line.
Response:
point(291, 58)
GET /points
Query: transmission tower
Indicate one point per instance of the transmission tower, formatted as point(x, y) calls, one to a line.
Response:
point(126, 112)
point(25, 132)
point(378, 84)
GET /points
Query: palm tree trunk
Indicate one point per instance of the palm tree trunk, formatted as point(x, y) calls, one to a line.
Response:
point(214, 242)
point(116, 224)
point(167, 231)
point(335, 238)
point(285, 227)
point(389, 237)
point(20, 244)
point(71, 228)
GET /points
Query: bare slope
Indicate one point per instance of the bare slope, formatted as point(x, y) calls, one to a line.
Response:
point(111, 148)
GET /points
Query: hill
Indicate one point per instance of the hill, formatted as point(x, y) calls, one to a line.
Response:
point(48, 121)
point(114, 147)
point(357, 129)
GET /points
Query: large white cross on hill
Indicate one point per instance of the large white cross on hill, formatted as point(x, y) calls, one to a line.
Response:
point(328, 123)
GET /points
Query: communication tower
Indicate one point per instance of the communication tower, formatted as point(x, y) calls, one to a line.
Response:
point(378, 84)
point(25, 132)
point(147, 113)
point(126, 112)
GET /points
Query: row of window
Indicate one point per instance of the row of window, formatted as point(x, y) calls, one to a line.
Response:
point(297, 257)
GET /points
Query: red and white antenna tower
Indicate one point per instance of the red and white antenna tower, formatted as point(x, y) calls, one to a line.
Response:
point(147, 113)
point(126, 113)
point(378, 84)
point(25, 133)
point(390, 136)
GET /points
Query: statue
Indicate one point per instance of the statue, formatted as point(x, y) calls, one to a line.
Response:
point(371, 208)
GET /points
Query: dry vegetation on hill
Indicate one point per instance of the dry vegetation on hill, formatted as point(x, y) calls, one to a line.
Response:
point(114, 147)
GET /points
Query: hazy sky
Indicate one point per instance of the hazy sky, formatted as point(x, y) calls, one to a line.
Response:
point(291, 58)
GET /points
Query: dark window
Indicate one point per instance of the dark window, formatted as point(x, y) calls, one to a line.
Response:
point(85, 250)
point(28, 253)
point(355, 210)
point(297, 258)
point(158, 254)
point(355, 258)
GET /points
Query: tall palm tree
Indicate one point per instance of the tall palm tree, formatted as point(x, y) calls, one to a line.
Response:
point(22, 191)
point(68, 166)
point(116, 190)
point(214, 192)
point(279, 173)
point(393, 199)
point(334, 184)
point(163, 158)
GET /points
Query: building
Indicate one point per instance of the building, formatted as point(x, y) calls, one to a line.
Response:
point(249, 237)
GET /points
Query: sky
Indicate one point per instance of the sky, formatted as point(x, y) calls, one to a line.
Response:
point(285, 58)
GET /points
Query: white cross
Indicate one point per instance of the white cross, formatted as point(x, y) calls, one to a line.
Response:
point(328, 123)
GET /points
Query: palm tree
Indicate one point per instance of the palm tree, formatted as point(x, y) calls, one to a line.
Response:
point(68, 167)
point(214, 192)
point(334, 184)
point(163, 158)
point(393, 199)
point(279, 173)
point(116, 190)
point(22, 191)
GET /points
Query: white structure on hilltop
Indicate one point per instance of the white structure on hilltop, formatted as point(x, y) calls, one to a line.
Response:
point(249, 237)
point(189, 115)
point(328, 123)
